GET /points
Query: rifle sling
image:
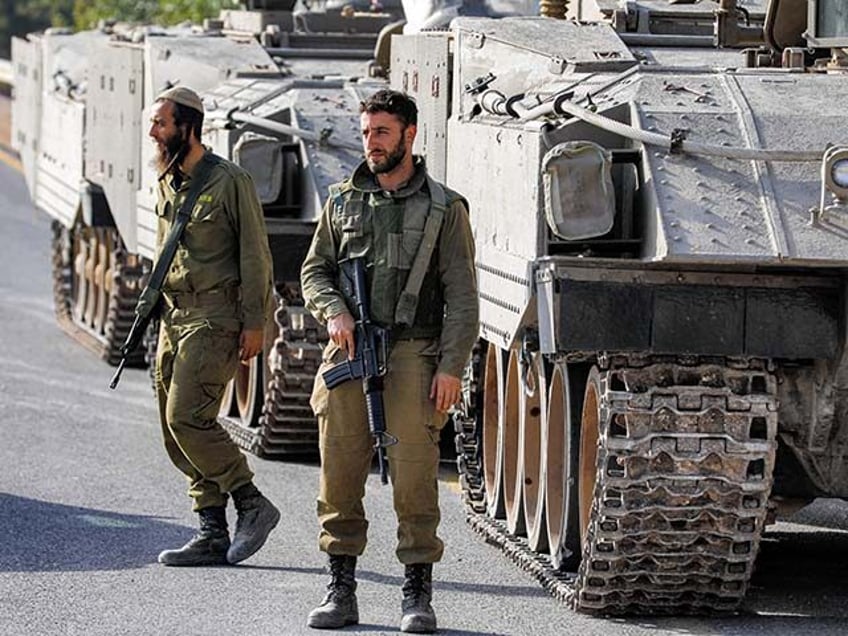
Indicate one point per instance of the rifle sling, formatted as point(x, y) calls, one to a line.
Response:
point(408, 302)
point(169, 249)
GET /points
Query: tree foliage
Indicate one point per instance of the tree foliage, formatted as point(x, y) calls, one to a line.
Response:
point(18, 17)
point(86, 13)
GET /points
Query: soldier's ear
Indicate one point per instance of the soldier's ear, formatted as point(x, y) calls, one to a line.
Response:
point(411, 130)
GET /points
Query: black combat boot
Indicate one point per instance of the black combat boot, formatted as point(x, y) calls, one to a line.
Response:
point(418, 614)
point(339, 605)
point(257, 516)
point(208, 547)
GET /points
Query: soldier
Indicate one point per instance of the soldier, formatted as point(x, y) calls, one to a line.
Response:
point(216, 297)
point(381, 213)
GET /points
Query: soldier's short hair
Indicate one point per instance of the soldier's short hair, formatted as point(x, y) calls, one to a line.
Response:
point(188, 107)
point(191, 117)
point(395, 103)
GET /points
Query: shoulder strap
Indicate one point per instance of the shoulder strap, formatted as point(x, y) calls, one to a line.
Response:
point(408, 301)
point(169, 249)
point(339, 190)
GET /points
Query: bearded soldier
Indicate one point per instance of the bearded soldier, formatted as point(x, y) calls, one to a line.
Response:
point(386, 213)
point(216, 296)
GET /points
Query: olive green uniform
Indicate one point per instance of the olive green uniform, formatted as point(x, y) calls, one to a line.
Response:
point(386, 228)
point(219, 284)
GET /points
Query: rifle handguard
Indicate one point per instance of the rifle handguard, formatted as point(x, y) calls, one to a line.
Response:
point(117, 377)
point(145, 311)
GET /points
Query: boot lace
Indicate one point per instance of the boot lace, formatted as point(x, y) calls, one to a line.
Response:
point(341, 577)
point(415, 584)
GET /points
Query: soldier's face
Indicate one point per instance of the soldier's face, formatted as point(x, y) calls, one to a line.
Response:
point(385, 140)
point(169, 139)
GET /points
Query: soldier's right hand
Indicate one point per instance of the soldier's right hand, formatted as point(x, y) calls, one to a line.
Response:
point(341, 328)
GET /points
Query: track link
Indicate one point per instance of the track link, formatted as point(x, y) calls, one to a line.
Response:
point(287, 426)
point(125, 289)
point(684, 473)
point(683, 476)
point(467, 424)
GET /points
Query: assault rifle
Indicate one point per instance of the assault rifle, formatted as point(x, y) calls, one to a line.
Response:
point(368, 363)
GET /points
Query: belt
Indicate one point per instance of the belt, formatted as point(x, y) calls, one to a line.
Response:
point(415, 333)
point(187, 300)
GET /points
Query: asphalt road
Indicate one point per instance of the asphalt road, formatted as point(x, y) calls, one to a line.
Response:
point(88, 499)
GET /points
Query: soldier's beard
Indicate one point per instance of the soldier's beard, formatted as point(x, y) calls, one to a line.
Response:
point(391, 161)
point(170, 153)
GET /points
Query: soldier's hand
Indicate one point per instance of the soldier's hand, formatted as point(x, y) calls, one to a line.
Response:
point(445, 390)
point(250, 343)
point(340, 328)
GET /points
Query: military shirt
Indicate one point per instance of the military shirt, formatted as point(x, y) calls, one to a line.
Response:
point(225, 243)
point(389, 248)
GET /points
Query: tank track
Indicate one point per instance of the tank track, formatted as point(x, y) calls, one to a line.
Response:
point(469, 461)
point(287, 426)
point(684, 473)
point(122, 300)
point(127, 280)
point(61, 261)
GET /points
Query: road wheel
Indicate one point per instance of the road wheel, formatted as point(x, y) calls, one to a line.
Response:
point(532, 429)
point(513, 464)
point(249, 390)
point(493, 389)
point(562, 452)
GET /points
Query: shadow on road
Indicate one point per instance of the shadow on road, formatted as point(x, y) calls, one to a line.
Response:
point(40, 536)
point(511, 591)
point(801, 573)
point(395, 582)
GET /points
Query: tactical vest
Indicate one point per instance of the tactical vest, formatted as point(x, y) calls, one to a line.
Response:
point(411, 250)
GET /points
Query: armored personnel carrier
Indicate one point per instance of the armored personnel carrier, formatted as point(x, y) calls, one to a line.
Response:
point(659, 196)
point(281, 89)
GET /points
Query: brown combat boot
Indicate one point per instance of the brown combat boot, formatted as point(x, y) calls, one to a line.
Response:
point(418, 614)
point(339, 606)
point(208, 547)
point(257, 516)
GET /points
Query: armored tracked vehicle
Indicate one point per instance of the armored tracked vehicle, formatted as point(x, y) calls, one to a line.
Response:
point(281, 89)
point(659, 195)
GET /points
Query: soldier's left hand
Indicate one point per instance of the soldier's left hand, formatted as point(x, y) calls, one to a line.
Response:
point(250, 343)
point(445, 390)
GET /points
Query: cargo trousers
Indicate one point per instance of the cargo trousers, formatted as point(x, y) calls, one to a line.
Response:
point(346, 453)
point(194, 362)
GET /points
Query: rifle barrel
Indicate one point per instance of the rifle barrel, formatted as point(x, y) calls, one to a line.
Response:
point(117, 377)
